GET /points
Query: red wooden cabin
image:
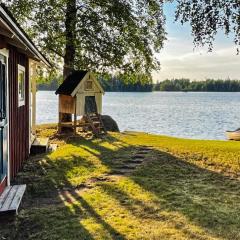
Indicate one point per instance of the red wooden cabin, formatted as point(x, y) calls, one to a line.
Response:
point(19, 58)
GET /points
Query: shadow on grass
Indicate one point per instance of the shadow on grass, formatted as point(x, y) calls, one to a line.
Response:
point(76, 200)
point(207, 199)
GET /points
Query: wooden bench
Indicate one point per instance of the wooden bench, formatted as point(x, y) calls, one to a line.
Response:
point(11, 198)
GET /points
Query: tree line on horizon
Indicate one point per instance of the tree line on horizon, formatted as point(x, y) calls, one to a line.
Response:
point(209, 85)
point(119, 85)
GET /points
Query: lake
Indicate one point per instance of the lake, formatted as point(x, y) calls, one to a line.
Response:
point(181, 114)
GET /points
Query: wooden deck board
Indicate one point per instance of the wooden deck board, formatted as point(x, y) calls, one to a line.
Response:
point(4, 196)
point(17, 198)
point(11, 198)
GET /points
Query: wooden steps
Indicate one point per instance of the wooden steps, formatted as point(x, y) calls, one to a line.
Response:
point(11, 198)
point(40, 145)
point(90, 122)
point(96, 124)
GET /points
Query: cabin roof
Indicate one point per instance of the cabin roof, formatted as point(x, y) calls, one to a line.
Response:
point(19, 35)
point(71, 82)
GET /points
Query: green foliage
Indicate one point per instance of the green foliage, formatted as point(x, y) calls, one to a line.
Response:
point(208, 85)
point(126, 83)
point(110, 83)
point(46, 77)
point(120, 83)
point(117, 35)
point(108, 35)
point(208, 17)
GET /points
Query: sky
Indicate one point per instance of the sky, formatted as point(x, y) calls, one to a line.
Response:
point(179, 59)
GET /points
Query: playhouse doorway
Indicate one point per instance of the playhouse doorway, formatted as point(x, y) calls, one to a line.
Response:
point(90, 105)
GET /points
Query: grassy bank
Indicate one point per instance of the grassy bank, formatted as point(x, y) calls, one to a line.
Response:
point(130, 186)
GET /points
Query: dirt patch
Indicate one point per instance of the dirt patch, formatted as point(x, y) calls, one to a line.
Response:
point(138, 157)
point(132, 167)
point(134, 161)
point(121, 172)
point(143, 152)
point(92, 182)
point(145, 148)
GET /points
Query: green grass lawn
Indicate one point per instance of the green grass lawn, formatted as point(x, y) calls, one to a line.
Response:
point(184, 189)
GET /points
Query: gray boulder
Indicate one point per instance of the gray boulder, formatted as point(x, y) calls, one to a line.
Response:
point(110, 124)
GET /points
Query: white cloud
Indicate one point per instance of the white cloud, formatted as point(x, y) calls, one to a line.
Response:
point(180, 59)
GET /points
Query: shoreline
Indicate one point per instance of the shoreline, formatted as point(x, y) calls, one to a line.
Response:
point(173, 144)
point(156, 91)
point(54, 125)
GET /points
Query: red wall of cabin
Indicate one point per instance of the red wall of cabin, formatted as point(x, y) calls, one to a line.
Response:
point(18, 116)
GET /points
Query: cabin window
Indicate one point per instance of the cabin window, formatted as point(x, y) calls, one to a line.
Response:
point(21, 85)
point(88, 85)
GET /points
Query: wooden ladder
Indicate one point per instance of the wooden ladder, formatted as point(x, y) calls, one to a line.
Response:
point(96, 124)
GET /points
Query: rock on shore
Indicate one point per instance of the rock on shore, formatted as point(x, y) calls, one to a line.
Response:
point(110, 124)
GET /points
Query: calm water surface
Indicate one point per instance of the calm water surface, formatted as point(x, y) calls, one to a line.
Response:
point(188, 115)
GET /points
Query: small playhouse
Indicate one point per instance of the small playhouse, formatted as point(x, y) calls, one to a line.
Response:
point(81, 96)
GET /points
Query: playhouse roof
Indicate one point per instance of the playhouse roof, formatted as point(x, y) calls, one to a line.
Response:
point(71, 82)
point(16, 35)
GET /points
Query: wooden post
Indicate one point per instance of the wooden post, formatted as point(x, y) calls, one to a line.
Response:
point(33, 76)
point(59, 116)
point(75, 116)
point(59, 123)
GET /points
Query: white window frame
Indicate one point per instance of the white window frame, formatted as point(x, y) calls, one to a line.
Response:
point(21, 102)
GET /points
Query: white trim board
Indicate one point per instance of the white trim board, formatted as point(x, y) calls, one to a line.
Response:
point(5, 52)
point(22, 101)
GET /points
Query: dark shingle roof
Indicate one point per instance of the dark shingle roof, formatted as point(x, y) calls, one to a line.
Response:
point(71, 82)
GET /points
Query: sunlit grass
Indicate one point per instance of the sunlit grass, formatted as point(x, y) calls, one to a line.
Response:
point(185, 189)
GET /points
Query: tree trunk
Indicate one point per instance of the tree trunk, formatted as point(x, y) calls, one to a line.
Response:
point(70, 49)
point(70, 26)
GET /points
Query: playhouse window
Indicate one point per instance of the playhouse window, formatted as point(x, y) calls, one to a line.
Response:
point(21, 85)
point(88, 85)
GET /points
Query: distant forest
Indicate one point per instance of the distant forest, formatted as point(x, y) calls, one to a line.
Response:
point(208, 85)
point(109, 85)
point(116, 85)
